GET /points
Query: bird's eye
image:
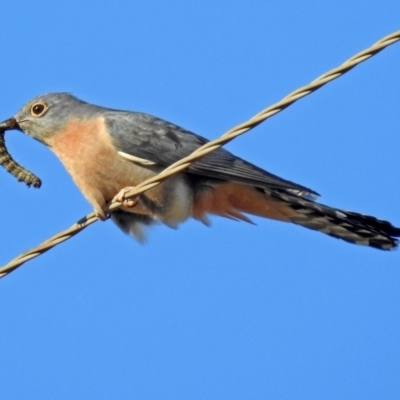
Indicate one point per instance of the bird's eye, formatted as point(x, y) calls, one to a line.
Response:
point(38, 109)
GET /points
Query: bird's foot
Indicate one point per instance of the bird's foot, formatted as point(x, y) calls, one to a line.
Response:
point(101, 215)
point(120, 197)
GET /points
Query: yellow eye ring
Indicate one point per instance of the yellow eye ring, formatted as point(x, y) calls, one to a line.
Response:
point(38, 109)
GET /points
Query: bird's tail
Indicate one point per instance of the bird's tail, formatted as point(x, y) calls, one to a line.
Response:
point(234, 200)
point(349, 226)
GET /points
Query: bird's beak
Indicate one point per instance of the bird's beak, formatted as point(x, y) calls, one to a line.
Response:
point(9, 124)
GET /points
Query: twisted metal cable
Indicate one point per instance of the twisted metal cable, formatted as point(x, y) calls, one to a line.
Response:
point(206, 148)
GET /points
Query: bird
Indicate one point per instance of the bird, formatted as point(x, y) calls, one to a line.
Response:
point(108, 151)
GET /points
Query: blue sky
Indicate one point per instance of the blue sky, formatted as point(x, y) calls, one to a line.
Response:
point(234, 311)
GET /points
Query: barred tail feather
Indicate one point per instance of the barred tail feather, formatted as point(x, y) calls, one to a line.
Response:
point(349, 226)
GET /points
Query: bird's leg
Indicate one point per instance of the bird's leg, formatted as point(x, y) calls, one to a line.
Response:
point(100, 214)
point(120, 197)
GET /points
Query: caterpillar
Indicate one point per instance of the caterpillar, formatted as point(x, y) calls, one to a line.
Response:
point(22, 174)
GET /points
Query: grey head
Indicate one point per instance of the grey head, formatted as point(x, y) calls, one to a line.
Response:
point(46, 114)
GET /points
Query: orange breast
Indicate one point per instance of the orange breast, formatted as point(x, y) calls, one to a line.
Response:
point(87, 152)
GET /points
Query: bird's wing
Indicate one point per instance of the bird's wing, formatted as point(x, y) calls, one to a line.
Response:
point(149, 138)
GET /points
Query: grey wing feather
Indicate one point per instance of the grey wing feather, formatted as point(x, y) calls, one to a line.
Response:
point(154, 139)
